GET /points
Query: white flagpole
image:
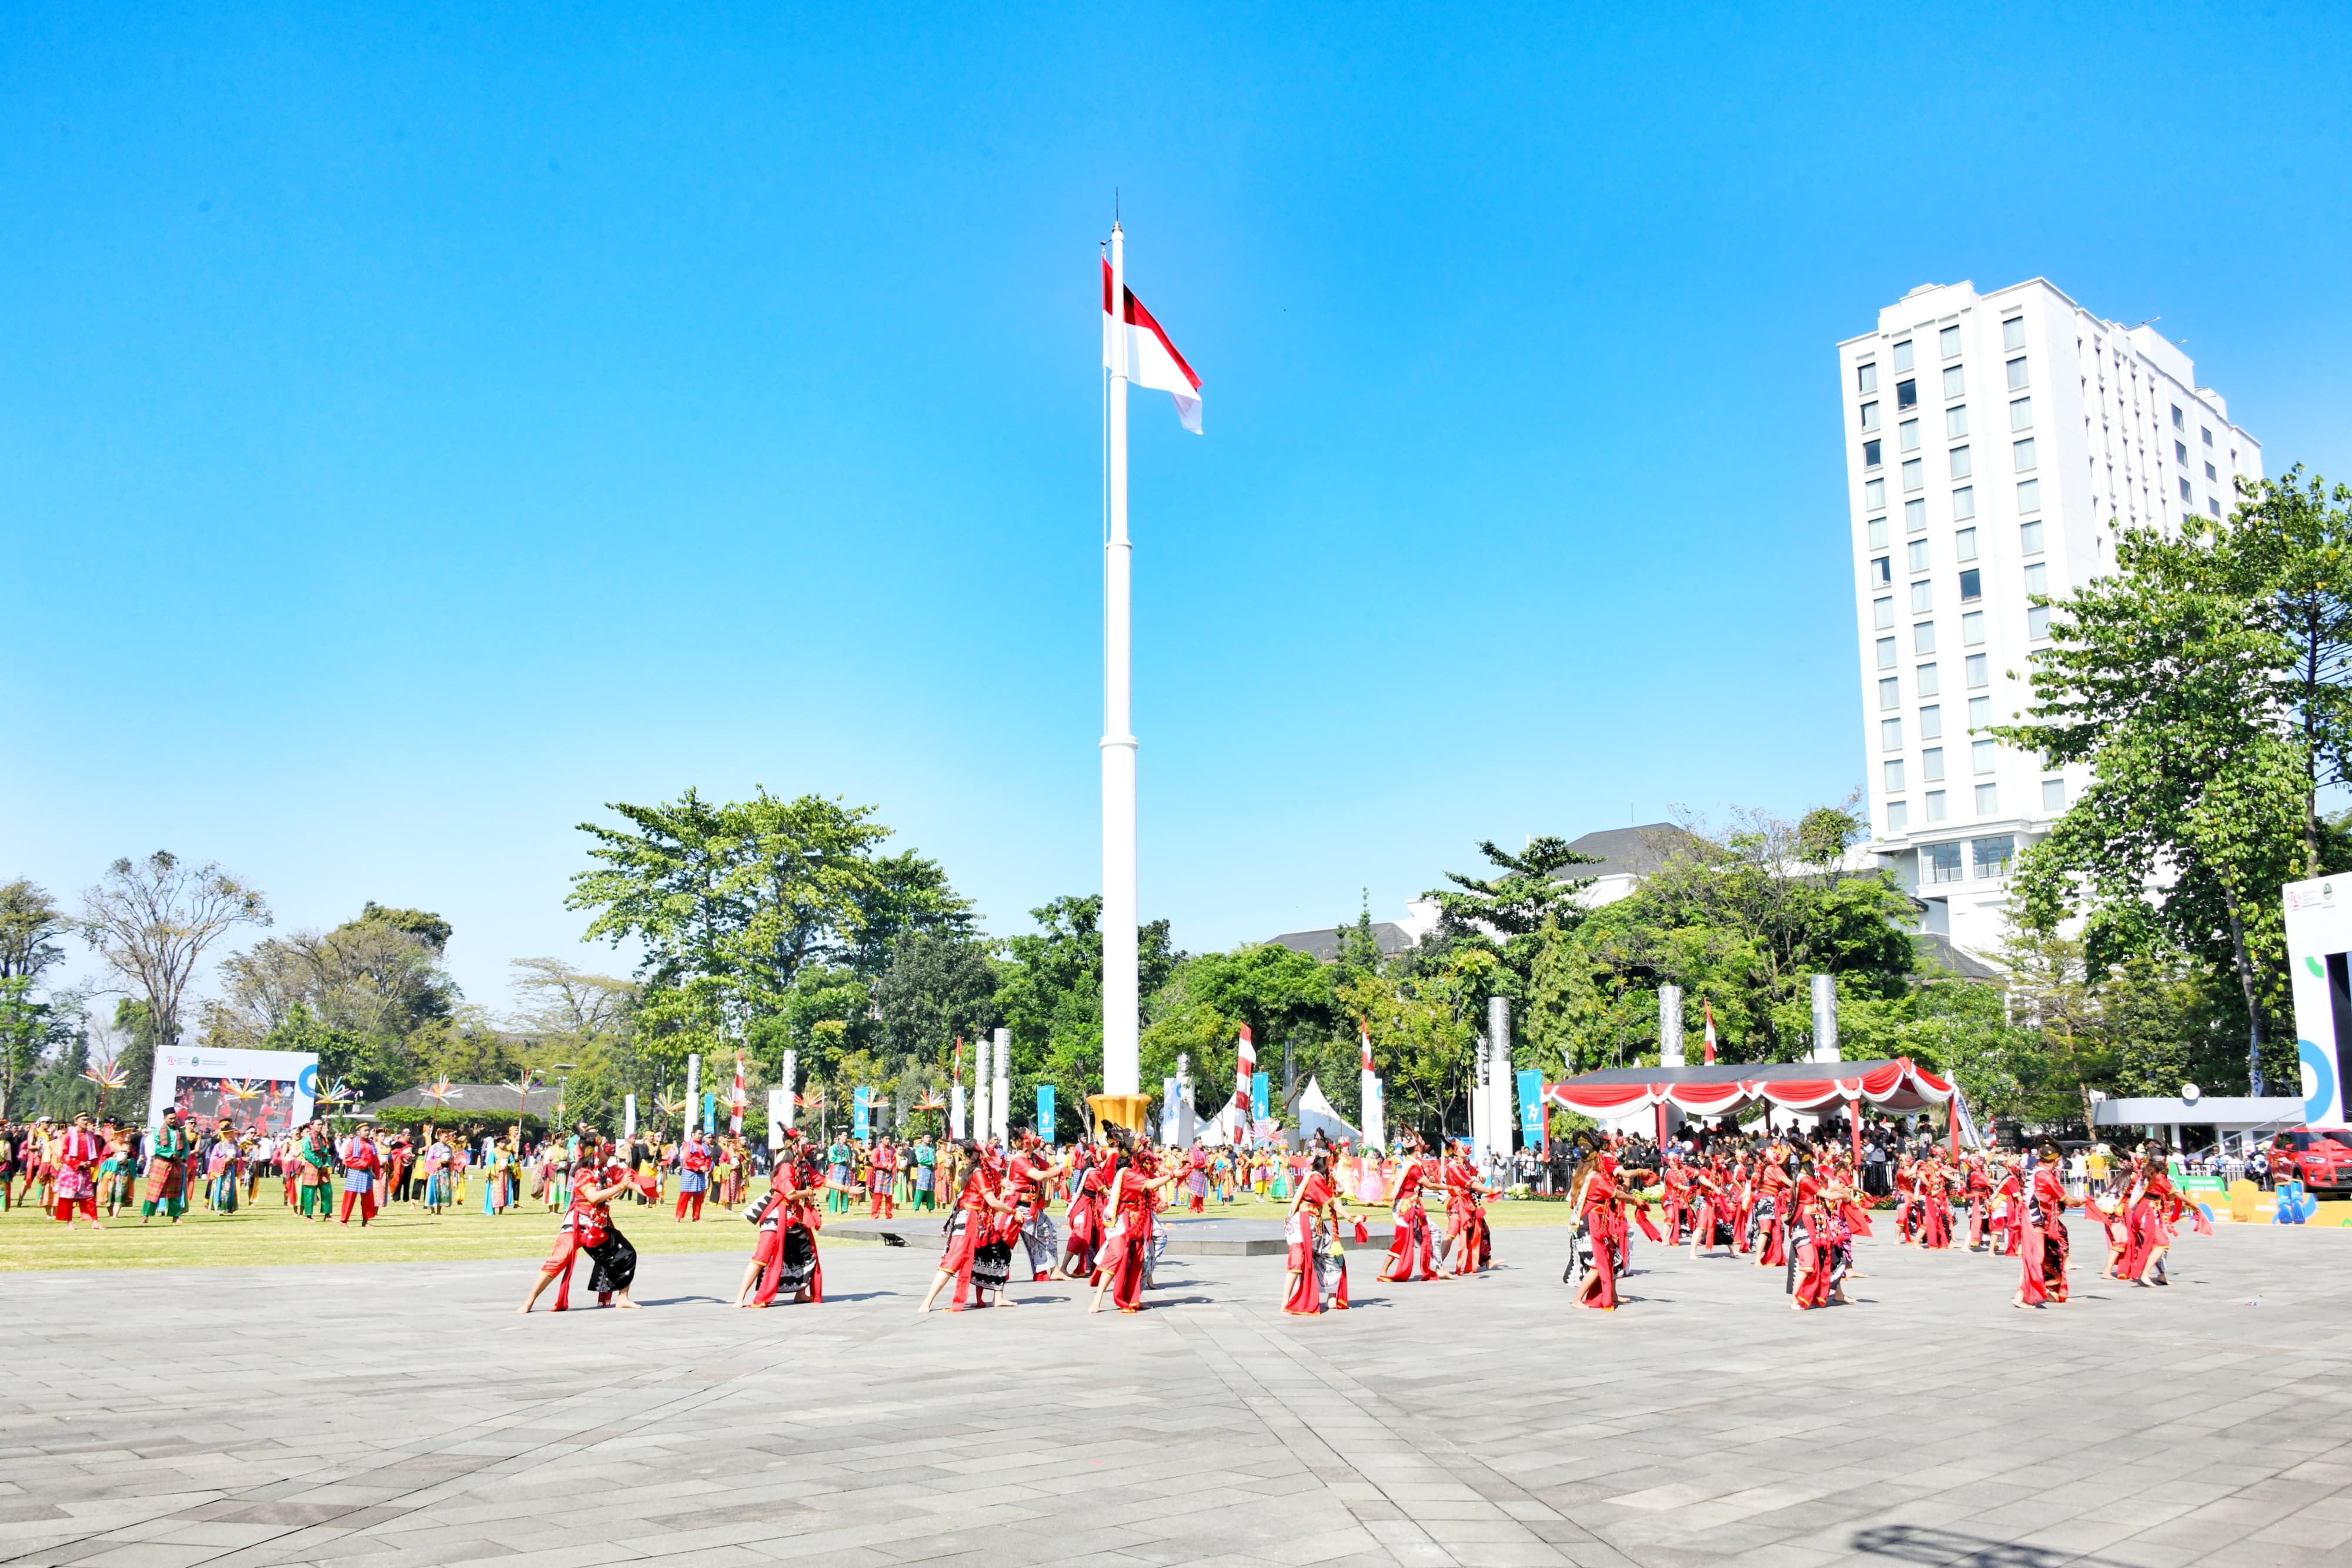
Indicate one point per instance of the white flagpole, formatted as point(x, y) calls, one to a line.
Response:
point(1122, 1059)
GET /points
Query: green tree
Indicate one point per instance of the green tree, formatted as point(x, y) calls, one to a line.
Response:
point(935, 988)
point(151, 922)
point(1049, 995)
point(734, 901)
point(2164, 678)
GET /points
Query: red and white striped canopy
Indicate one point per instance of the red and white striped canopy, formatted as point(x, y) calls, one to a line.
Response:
point(1726, 1089)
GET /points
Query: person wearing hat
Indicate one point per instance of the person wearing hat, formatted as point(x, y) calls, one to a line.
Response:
point(167, 1171)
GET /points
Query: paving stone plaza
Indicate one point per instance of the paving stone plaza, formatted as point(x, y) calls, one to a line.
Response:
point(398, 1415)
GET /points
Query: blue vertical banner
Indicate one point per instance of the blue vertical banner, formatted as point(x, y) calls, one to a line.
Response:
point(1261, 1097)
point(1532, 1108)
point(1045, 1111)
point(709, 1115)
point(861, 1112)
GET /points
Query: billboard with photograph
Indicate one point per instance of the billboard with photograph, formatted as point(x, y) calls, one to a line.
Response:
point(264, 1090)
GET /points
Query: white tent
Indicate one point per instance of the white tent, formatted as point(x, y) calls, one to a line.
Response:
point(1317, 1115)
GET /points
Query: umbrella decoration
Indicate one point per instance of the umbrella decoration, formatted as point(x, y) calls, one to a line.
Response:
point(442, 1092)
point(108, 1077)
point(930, 1102)
point(671, 1105)
point(339, 1092)
point(522, 1094)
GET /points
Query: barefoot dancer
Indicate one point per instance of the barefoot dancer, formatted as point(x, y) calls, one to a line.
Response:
point(1126, 1257)
point(971, 1226)
point(1318, 1266)
point(588, 1228)
point(1412, 1252)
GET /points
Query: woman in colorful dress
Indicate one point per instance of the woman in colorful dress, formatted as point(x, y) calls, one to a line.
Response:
point(693, 1176)
point(788, 1219)
point(588, 1229)
point(1593, 1197)
point(970, 1227)
point(75, 1186)
point(2041, 1251)
point(1313, 1232)
point(882, 1181)
point(1132, 1200)
point(167, 1171)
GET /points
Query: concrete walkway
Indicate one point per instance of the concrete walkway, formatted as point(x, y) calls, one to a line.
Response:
point(402, 1415)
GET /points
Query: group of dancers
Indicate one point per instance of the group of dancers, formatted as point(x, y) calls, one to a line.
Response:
point(1789, 1206)
point(1799, 1210)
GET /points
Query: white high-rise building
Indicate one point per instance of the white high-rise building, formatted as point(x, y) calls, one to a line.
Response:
point(1995, 442)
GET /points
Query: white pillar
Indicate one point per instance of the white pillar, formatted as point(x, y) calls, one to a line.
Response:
point(1500, 1117)
point(789, 1081)
point(1001, 1116)
point(1375, 1115)
point(1670, 1026)
point(1825, 1039)
point(1122, 1050)
point(1480, 1103)
point(693, 1095)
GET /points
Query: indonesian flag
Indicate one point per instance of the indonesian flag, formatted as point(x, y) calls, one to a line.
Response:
point(1151, 360)
point(956, 1076)
point(735, 1118)
point(1244, 1065)
point(1710, 1047)
point(1364, 1039)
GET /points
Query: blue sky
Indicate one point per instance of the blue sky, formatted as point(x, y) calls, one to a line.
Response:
point(421, 426)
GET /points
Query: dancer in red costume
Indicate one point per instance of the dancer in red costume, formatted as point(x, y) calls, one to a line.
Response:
point(788, 1219)
point(1775, 1188)
point(2153, 1207)
point(1130, 1199)
point(1976, 1182)
point(971, 1228)
point(1814, 1225)
point(1599, 1193)
point(1411, 1250)
point(1933, 1181)
point(588, 1228)
point(1089, 1184)
point(693, 1176)
point(2042, 1249)
point(1714, 1225)
point(1318, 1266)
point(1469, 1244)
point(1675, 1180)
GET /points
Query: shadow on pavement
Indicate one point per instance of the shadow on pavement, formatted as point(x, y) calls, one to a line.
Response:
point(1950, 1549)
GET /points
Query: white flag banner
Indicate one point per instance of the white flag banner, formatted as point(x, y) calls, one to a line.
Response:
point(1153, 359)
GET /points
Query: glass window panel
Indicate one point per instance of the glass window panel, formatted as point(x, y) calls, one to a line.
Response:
point(1870, 417)
point(2054, 794)
point(1882, 611)
point(1878, 533)
point(1971, 585)
point(2028, 538)
point(1962, 464)
point(2017, 372)
point(1902, 355)
point(1866, 377)
point(1898, 816)
point(1890, 734)
point(2021, 454)
point(1956, 421)
point(1987, 800)
point(1906, 394)
point(1976, 671)
point(1979, 711)
point(1935, 805)
point(1887, 652)
point(1948, 342)
point(1993, 855)
point(1907, 435)
point(2029, 495)
point(2020, 414)
point(1942, 860)
point(1874, 494)
point(1915, 473)
point(1931, 764)
point(1955, 381)
point(1980, 755)
point(1923, 637)
point(1922, 598)
point(1914, 515)
point(1928, 682)
point(2037, 622)
point(1894, 774)
point(1964, 501)
point(1918, 555)
point(1931, 722)
point(1870, 454)
point(1890, 693)
point(2037, 578)
point(2012, 333)
point(1972, 628)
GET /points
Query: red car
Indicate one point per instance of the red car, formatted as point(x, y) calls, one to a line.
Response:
point(2321, 1160)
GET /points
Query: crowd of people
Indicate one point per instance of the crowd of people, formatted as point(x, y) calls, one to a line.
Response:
point(1787, 1201)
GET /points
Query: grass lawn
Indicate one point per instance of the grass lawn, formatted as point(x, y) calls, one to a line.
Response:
point(269, 1232)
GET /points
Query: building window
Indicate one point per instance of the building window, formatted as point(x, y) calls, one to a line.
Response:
point(1902, 355)
point(1898, 816)
point(1931, 764)
point(1882, 572)
point(1955, 380)
point(1866, 377)
point(1923, 637)
point(1931, 722)
point(1988, 799)
point(1918, 555)
point(1887, 652)
point(1914, 515)
point(1964, 544)
point(1971, 585)
point(2212, 506)
point(1890, 693)
point(2021, 456)
point(1962, 464)
point(2012, 333)
point(1870, 417)
point(1993, 855)
point(2054, 794)
point(1883, 612)
point(1980, 713)
point(2206, 434)
point(1922, 600)
point(1964, 501)
point(1915, 477)
point(1980, 755)
point(1874, 494)
point(1948, 342)
point(1906, 395)
point(1972, 629)
point(2029, 537)
point(1928, 682)
point(1890, 734)
point(2016, 373)
point(2181, 453)
point(2177, 423)
point(2037, 578)
point(1956, 421)
point(1975, 671)
point(2212, 474)
point(2021, 414)
point(1941, 862)
point(2037, 622)
point(1907, 435)
point(2029, 495)
point(2185, 496)
point(1870, 454)
point(1878, 533)
point(1894, 767)
point(1935, 805)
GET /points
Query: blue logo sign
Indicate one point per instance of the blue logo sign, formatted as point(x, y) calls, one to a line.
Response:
point(1045, 1111)
point(1531, 1107)
point(2322, 1097)
point(1261, 1097)
point(306, 1083)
